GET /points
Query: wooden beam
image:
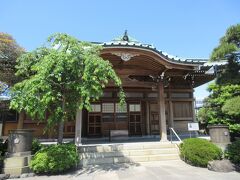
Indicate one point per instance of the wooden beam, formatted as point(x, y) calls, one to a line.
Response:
point(180, 99)
point(135, 71)
point(182, 118)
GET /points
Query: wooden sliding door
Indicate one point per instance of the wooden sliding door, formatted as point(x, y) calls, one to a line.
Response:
point(135, 122)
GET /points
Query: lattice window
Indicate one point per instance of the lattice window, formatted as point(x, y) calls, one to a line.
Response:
point(134, 108)
point(96, 108)
point(108, 107)
point(121, 109)
point(134, 94)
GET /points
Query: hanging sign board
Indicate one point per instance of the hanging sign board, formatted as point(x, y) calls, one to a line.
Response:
point(193, 126)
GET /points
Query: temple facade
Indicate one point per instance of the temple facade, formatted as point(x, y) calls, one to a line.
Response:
point(159, 94)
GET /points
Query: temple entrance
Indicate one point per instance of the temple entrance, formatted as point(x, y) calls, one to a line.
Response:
point(154, 118)
point(94, 124)
point(108, 116)
point(135, 119)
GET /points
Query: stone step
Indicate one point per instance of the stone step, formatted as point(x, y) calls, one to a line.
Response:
point(129, 153)
point(128, 159)
point(127, 146)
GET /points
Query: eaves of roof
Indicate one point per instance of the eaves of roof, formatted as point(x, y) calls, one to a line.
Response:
point(174, 59)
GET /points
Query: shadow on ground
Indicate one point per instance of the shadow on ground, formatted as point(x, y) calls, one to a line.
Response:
point(105, 168)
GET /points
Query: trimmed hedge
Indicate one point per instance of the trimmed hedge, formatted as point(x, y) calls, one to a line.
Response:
point(36, 146)
point(233, 152)
point(55, 159)
point(199, 152)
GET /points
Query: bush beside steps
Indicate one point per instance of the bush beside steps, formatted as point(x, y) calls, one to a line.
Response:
point(55, 159)
point(198, 152)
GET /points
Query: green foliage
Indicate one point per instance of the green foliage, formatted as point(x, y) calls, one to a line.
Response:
point(9, 52)
point(232, 107)
point(232, 35)
point(59, 78)
point(222, 105)
point(36, 146)
point(204, 114)
point(55, 159)
point(199, 152)
point(233, 152)
point(228, 43)
point(213, 112)
point(229, 74)
point(223, 49)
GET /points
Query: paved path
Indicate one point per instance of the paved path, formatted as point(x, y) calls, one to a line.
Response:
point(164, 170)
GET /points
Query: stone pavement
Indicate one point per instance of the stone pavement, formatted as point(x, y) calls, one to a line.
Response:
point(163, 170)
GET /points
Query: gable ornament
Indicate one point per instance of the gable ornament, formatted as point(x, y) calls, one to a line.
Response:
point(125, 56)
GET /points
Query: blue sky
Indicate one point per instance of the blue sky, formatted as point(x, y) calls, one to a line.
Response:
point(186, 28)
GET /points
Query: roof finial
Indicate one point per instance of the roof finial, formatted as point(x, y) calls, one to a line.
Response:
point(125, 36)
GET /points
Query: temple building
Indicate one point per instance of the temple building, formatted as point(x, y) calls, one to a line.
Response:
point(159, 94)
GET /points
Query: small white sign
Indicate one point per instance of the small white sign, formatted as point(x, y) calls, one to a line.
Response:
point(16, 140)
point(193, 126)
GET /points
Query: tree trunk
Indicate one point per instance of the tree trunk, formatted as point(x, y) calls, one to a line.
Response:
point(61, 124)
point(60, 132)
point(20, 120)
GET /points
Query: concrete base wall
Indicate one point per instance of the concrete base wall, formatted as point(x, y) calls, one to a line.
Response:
point(17, 165)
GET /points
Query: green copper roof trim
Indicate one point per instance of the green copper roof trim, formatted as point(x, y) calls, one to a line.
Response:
point(125, 37)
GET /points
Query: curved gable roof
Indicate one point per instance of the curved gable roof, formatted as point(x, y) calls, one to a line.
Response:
point(126, 41)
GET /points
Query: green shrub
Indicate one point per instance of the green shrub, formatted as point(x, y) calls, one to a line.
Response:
point(232, 107)
point(198, 152)
point(55, 159)
point(36, 146)
point(233, 152)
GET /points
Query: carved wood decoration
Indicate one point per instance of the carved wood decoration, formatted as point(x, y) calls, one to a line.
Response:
point(125, 56)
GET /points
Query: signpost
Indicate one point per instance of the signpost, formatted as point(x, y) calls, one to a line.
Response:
point(194, 126)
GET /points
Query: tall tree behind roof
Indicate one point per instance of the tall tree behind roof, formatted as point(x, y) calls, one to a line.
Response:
point(228, 43)
point(229, 48)
point(9, 52)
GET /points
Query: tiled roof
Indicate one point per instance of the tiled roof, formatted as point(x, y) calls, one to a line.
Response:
point(127, 41)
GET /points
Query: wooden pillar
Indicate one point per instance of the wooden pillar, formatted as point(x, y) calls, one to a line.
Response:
point(78, 128)
point(171, 113)
point(162, 116)
point(193, 110)
point(147, 118)
point(1, 128)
